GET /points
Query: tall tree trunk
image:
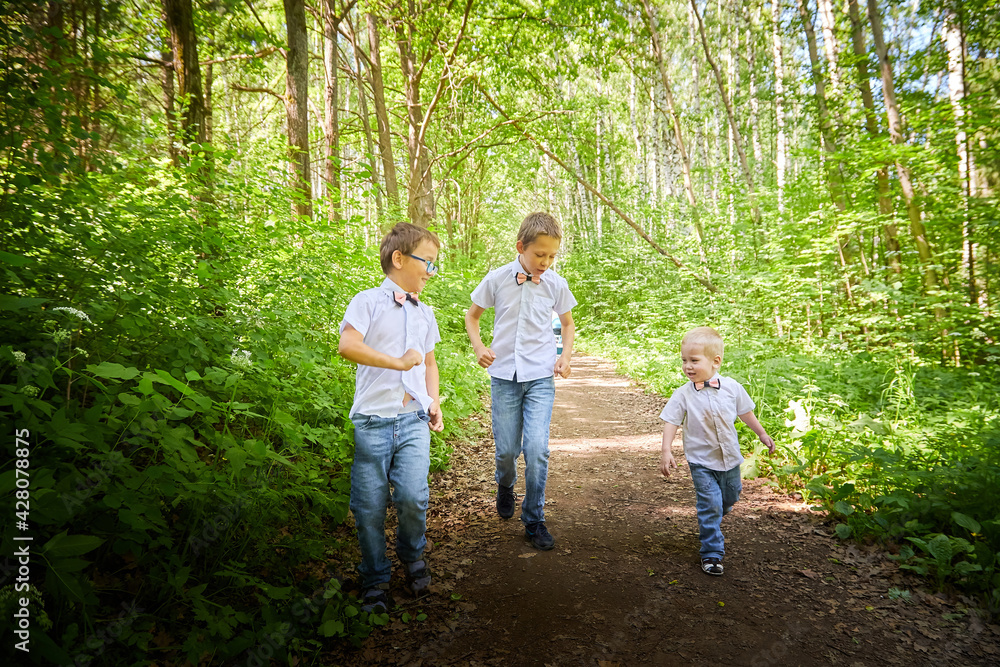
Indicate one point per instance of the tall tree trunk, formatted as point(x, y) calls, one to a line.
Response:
point(297, 105)
point(676, 123)
point(831, 163)
point(180, 23)
point(831, 48)
point(331, 108)
point(420, 195)
point(955, 44)
point(366, 125)
point(871, 124)
point(780, 160)
point(913, 211)
point(738, 138)
point(834, 180)
point(381, 114)
point(169, 109)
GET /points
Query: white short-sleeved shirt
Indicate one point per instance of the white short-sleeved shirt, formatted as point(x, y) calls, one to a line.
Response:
point(523, 340)
point(709, 416)
point(392, 329)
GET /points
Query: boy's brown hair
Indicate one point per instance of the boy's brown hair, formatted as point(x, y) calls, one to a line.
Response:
point(536, 224)
point(709, 339)
point(405, 238)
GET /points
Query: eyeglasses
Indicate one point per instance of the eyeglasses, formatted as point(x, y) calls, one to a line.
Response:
point(431, 267)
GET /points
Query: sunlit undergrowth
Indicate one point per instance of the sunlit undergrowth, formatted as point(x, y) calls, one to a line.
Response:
point(186, 442)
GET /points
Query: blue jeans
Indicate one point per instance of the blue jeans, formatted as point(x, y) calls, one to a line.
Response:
point(396, 451)
point(716, 492)
point(521, 415)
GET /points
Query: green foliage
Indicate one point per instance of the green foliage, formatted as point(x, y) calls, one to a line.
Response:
point(189, 442)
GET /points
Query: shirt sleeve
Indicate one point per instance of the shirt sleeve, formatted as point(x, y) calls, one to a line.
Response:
point(744, 403)
point(358, 314)
point(675, 409)
point(564, 300)
point(483, 296)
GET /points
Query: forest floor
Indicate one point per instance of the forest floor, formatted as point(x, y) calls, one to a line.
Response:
point(623, 584)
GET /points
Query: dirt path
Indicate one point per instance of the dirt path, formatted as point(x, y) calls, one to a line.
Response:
point(623, 586)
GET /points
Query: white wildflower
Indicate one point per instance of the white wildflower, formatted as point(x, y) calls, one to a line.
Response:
point(29, 390)
point(19, 356)
point(75, 312)
point(60, 335)
point(81, 351)
point(240, 358)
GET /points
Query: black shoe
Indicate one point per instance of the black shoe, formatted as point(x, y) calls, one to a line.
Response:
point(418, 577)
point(539, 536)
point(375, 600)
point(505, 501)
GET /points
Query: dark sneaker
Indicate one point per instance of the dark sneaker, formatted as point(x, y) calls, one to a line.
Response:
point(539, 536)
point(418, 577)
point(712, 566)
point(505, 501)
point(375, 600)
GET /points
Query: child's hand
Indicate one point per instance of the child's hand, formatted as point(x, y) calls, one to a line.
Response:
point(667, 462)
point(562, 367)
point(410, 359)
point(768, 442)
point(485, 357)
point(437, 417)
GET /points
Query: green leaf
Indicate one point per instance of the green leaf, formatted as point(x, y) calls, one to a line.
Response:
point(333, 628)
point(844, 507)
point(940, 549)
point(107, 369)
point(8, 302)
point(843, 531)
point(10, 259)
point(63, 545)
point(967, 522)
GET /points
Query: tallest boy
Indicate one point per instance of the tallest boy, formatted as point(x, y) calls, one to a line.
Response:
point(522, 362)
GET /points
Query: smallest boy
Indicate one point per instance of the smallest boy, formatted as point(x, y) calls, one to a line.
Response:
point(707, 407)
point(391, 335)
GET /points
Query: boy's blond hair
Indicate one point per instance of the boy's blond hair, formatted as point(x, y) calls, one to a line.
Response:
point(405, 238)
point(537, 224)
point(709, 339)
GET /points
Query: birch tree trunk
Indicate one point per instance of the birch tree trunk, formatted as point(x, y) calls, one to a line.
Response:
point(381, 113)
point(890, 234)
point(895, 120)
point(366, 124)
point(955, 44)
point(738, 138)
point(779, 104)
point(297, 104)
point(834, 179)
point(331, 106)
point(676, 122)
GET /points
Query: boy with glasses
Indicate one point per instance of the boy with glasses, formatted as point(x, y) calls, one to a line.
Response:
point(522, 361)
point(391, 335)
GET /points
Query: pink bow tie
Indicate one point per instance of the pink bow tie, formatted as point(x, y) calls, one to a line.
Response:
point(402, 297)
point(522, 278)
point(698, 386)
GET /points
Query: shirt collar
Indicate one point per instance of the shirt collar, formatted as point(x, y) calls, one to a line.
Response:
point(516, 267)
point(389, 285)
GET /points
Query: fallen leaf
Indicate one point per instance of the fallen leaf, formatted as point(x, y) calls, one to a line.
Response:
point(809, 573)
point(530, 554)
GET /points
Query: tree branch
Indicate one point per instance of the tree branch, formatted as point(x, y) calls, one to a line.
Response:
point(705, 282)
